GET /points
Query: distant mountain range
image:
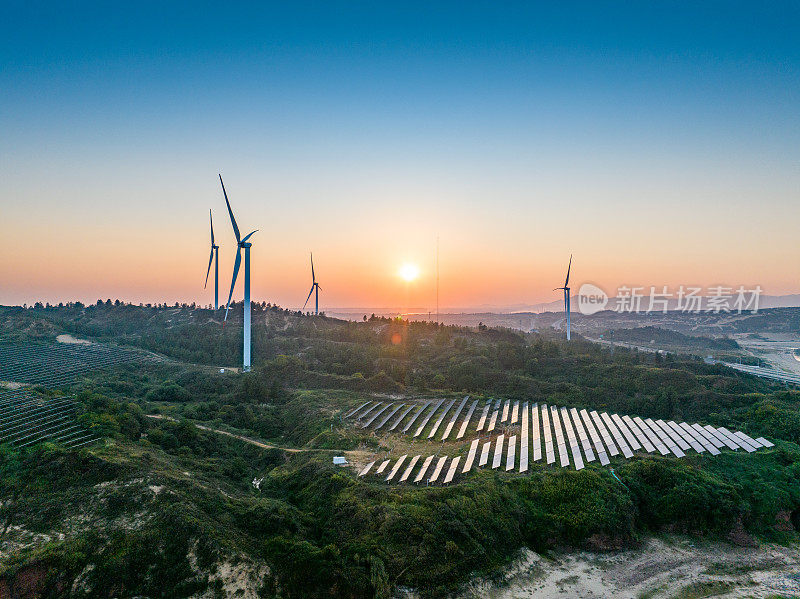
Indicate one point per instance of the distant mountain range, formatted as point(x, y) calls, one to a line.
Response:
point(765, 301)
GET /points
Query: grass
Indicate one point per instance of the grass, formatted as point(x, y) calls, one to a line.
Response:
point(650, 593)
point(697, 590)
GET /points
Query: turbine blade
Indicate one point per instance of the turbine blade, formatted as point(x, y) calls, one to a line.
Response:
point(246, 237)
point(210, 218)
point(233, 220)
point(566, 283)
point(210, 260)
point(313, 278)
point(233, 280)
point(309, 297)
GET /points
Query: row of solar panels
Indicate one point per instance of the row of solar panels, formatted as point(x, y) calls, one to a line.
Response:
point(580, 435)
point(53, 364)
point(28, 419)
point(391, 415)
point(29, 415)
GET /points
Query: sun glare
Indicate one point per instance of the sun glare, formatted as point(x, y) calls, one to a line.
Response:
point(409, 271)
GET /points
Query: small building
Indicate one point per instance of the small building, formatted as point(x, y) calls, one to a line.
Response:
point(339, 460)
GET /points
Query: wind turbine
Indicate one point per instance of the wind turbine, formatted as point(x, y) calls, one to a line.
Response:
point(214, 254)
point(314, 287)
point(241, 244)
point(566, 294)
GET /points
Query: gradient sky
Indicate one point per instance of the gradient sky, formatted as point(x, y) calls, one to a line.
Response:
point(658, 142)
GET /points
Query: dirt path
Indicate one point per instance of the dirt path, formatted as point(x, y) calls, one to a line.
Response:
point(353, 456)
point(235, 436)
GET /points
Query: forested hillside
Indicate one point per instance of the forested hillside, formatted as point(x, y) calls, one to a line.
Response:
point(163, 508)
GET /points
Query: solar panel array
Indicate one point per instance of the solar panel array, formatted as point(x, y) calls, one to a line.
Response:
point(33, 377)
point(511, 436)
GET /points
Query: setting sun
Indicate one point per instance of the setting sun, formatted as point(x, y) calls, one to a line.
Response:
point(409, 271)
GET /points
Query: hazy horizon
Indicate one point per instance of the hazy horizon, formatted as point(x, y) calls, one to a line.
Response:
point(659, 145)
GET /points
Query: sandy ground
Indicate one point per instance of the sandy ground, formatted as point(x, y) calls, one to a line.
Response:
point(71, 339)
point(659, 569)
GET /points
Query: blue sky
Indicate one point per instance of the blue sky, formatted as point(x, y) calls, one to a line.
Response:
point(518, 132)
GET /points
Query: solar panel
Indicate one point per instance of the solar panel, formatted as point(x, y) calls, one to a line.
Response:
point(640, 436)
point(664, 438)
point(369, 410)
point(702, 440)
point(400, 418)
point(560, 442)
point(74, 443)
point(439, 420)
point(427, 418)
point(366, 469)
point(436, 471)
point(604, 434)
point(485, 454)
point(548, 440)
point(523, 447)
point(654, 440)
point(676, 438)
point(629, 436)
point(492, 422)
point(535, 434)
point(707, 436)
point(736, 440)
point(453, 419)
point(411, 465)
point(512, 450)
point(498, 451)
point(765, 443)
point(505, 411)
point(515, 413)
point(473, 449)
point(453, 467)
point(353, 412)
point(375, 415)
point(389, 415)
point(485, 413)
point(382, 467)
point(598, 444)
point(407, 427)
point(753, 442)
point(621, 442)
point(577, 459)
point(721, 438)
point(423, 469)
point(463, 430)
point(581, 434)
point(687, 437)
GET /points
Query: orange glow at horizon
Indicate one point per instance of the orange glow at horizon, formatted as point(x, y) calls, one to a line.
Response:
point(156, 250)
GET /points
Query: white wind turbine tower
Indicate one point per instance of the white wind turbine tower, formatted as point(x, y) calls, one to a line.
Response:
point(566, 294)
point(314, 287)
point(241, 244)
point(214, 254)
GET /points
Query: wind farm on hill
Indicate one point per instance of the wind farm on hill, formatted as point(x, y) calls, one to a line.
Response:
point(434, 448)
point(404, 394)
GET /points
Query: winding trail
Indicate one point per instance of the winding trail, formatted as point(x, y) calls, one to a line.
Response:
point(356, 456)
